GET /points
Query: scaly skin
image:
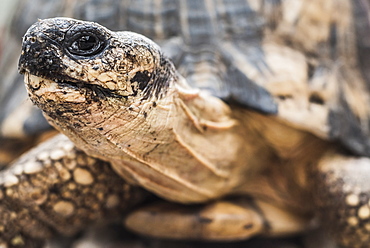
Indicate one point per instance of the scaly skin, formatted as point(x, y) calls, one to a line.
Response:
point(56, 188)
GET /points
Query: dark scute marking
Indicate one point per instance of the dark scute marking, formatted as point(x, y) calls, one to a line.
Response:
point(36, 123)
point(246, 93)
point(315, 98)
point(345, 127)
point(100, 128)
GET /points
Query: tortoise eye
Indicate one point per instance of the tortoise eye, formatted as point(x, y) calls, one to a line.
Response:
point(85, 44)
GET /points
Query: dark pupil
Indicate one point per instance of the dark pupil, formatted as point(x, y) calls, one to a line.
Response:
point(86, 42)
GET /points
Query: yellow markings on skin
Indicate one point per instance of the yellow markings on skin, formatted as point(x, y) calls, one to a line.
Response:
point(82, 176)
point(352, 200)
point(364, 212)
point(352, 221)
point(64, 208)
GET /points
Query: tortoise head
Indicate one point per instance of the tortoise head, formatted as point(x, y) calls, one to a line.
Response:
point(72, 53)
point(92, 83)
point(119, 99)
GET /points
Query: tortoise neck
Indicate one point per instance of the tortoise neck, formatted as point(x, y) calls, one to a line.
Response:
point(192, 150)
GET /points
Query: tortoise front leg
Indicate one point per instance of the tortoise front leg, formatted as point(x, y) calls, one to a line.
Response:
point(56, 188)
point(343, 196)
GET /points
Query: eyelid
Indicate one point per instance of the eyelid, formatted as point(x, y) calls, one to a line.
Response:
point(98, 47)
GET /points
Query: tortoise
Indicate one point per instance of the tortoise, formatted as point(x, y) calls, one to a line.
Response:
point(288, 140)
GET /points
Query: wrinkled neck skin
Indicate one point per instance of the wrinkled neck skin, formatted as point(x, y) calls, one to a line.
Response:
point(185, 146)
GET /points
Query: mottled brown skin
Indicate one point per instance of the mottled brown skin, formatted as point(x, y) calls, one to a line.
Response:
point(119, 99)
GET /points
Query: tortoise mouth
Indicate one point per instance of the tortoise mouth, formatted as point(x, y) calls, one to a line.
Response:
point(39, 85)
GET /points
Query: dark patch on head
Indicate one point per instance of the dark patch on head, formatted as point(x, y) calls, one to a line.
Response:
point(142, 78)
point(39, 58)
